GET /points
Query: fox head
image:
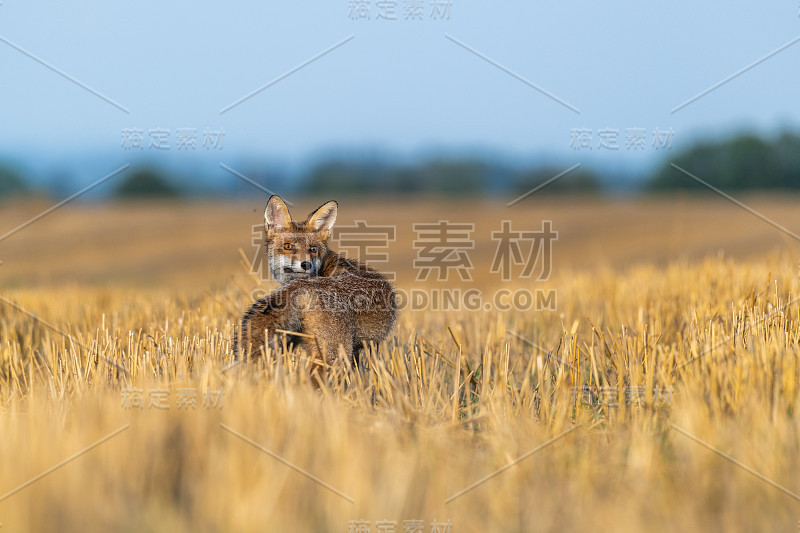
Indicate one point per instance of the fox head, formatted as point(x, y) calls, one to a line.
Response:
point(295, 249)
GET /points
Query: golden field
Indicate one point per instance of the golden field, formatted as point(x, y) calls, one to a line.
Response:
point(660, 395)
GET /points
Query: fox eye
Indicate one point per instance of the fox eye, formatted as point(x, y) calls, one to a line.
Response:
point(313, 249)
point(287, 246)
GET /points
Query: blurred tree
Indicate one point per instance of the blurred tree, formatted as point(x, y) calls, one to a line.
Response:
point(343, 177)
point(145, 183)
point(744, 162)
point(787, 150)
point(405, 180)
point(578, 181)
point(456, 176)
point(11, 182)
point(440, 176)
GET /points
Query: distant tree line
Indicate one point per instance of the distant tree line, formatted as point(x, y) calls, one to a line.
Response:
point(448, 177)
point(146, 182)
point(743, 162)
point(11, 182)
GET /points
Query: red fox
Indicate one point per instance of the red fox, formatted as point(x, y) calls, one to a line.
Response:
point(329, 300)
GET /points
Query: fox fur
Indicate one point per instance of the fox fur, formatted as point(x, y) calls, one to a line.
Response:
point(331, 302)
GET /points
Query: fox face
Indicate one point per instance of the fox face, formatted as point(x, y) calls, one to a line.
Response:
point(295, 249)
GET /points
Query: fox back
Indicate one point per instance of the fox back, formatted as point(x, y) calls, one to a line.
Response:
point(337, 302)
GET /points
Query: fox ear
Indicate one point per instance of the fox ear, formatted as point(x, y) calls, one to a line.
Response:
point(276, 216)
point(323, 218)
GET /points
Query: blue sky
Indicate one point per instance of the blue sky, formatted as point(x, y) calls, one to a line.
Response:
point(398, 86)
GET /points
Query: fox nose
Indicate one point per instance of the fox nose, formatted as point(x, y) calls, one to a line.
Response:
point(306, 265)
